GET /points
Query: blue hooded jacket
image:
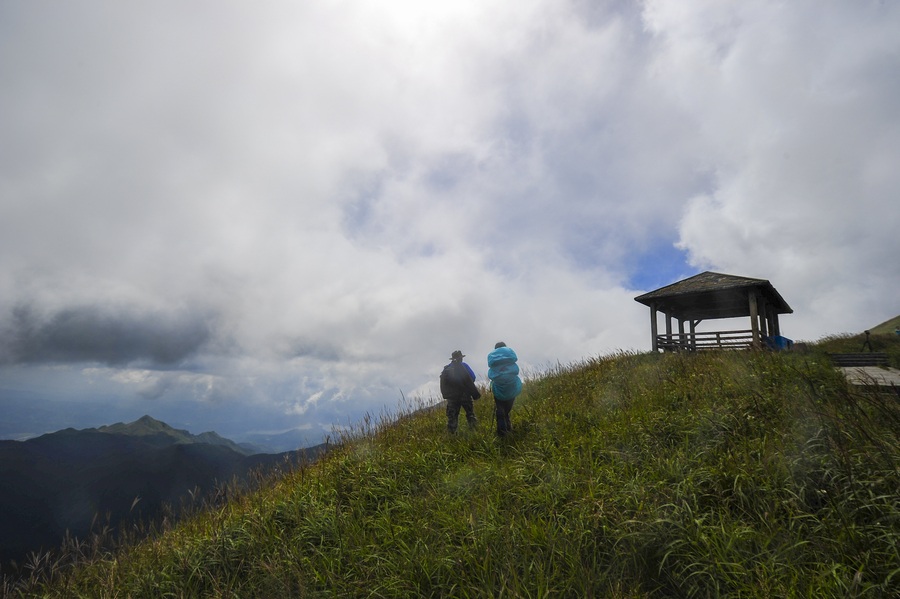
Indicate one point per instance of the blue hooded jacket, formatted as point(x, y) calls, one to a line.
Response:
point(504, 374)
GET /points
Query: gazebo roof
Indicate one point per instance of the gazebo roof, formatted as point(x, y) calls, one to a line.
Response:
point(713, 295)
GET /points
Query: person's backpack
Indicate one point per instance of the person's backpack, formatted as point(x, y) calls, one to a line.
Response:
point(450, 383)
point(458, 379)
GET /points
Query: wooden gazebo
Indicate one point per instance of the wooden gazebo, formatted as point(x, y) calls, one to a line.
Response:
point(712, 295)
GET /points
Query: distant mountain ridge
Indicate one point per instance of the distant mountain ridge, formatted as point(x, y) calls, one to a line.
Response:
point(278, 442)
point(161, 434)
point(60, 481)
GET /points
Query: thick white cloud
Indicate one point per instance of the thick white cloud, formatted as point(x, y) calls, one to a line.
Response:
point(798, 105)
point(300, 209)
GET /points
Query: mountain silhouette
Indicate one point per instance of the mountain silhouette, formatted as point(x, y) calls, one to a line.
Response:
point(161, 434)
point(61, 481)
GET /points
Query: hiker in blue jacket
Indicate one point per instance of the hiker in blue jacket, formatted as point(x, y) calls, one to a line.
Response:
point(458, 388)
point(505, 384)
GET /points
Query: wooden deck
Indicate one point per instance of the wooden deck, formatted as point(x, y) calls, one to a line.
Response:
point(872, 375)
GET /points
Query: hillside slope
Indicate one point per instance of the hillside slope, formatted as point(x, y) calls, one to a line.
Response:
point(887, 327)
point(719, 474)
point(57, 484)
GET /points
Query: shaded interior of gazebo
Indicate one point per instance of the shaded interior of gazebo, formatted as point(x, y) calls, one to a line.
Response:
point(713, 295)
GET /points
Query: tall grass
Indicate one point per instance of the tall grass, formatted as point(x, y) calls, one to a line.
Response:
point(634, 475)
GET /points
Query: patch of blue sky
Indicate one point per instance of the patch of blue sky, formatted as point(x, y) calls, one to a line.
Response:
point(448, 171)
point(362, 193)
point(657, 266)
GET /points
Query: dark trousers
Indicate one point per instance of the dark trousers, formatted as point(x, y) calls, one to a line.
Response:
point(453, 406)
point(502, 410)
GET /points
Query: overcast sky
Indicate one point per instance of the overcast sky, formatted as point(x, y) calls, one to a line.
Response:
point(258, 216)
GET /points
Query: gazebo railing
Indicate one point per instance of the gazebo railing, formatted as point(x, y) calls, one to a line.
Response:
point(705, 341)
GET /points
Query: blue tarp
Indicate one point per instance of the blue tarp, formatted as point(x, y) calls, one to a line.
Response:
point(779, 343)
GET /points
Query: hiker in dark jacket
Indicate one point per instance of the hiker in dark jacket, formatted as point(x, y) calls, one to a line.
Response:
point(867, 343)
point(505, 384)
point(458, 388)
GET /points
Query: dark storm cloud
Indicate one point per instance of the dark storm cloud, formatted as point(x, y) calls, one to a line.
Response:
point(94, 334)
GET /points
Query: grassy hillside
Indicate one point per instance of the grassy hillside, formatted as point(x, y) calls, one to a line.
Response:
point(720, 474)
point(887, 327)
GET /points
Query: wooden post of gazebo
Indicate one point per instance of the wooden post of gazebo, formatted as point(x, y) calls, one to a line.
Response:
point(754, 319)
point(694, 324)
